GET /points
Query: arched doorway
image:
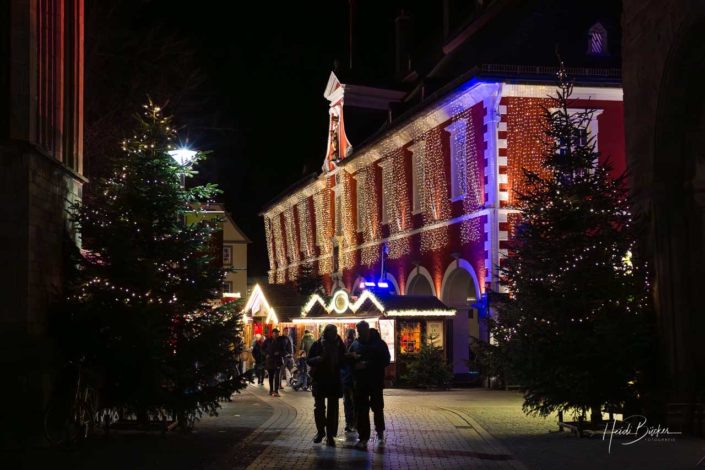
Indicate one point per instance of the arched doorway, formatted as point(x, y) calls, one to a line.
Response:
point(420, 282)
point(459, 291)
point(676, 203)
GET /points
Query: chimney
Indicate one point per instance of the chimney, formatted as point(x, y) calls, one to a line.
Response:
point(404, 38)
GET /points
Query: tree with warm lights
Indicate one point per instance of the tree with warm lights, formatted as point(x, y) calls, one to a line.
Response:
point(573, 331)
point(141, 309)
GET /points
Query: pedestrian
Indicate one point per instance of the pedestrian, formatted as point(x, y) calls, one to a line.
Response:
point(348, 389)
point(275, 349)
point(287, 360)
point(372, 355)
point(307, 341)
point(259, 356)
point(302, 372)
point(326, 357)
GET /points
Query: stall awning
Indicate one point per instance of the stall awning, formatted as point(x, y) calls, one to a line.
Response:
point(278, 303)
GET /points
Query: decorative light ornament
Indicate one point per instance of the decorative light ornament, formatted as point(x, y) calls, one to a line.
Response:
point(340, 302)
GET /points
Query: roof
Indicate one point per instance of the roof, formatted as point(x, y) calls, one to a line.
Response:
point(284, 299)
point(370, 305)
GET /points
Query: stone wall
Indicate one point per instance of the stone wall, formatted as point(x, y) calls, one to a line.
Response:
point(663, 67)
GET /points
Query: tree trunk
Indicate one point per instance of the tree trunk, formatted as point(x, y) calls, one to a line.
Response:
point(596, 414)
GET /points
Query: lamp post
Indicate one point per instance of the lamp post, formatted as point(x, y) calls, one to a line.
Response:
point(183, 157)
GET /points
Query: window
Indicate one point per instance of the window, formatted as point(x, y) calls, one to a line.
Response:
point(597, 43)
point(417, 174)
point(458, 163)
point(409, 337)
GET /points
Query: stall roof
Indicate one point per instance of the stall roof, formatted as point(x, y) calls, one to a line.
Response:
point(281, 302)
point(371, 305)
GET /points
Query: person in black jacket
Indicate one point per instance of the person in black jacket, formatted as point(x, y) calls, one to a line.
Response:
point(326, 357)
point(275, 350)
point(259, 355)
point(373, 357)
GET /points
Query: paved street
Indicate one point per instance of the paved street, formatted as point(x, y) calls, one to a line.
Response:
point(463, 429)
point(469, 429)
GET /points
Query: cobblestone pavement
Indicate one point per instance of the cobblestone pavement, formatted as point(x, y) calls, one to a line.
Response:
point(468, 429)
point(212, 438)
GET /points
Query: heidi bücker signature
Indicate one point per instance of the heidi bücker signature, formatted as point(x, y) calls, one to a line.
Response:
point(636, 426)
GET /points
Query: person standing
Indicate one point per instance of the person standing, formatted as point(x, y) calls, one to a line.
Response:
point(326, 357)
point(287, 360)
point(307, 341)
point(347, 379)
point(259, 355)
point(275, 350)
point(372, 355)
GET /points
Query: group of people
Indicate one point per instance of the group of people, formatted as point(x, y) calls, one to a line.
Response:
point(351, 369)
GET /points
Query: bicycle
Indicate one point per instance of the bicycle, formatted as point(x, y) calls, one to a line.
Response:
point(71, 419)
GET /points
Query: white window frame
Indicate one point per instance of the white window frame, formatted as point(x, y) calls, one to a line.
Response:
point(593, 127)
point(418, 154)
point(458, 176)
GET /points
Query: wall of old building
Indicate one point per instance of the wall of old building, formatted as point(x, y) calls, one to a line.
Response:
point(663, 66)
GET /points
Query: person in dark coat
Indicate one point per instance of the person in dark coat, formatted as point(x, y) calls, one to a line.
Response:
point(259, 355)
point(275, 350)
point(372, 355)
point(326, 357)
point(348, 390)
point(287, 361)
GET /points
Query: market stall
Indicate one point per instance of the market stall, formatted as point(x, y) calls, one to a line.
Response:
point(403, 321)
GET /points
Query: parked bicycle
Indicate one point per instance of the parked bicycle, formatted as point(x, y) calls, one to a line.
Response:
point(70, 418)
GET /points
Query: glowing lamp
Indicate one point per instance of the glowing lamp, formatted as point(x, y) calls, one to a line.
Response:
point(369, 284)
point(362, 284)
point(183, 156)
point(383, 284)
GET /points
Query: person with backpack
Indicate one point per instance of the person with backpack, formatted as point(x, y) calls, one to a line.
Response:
point(372, 355)
point(326, 357)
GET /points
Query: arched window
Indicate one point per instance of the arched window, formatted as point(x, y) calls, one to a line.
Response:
point(597, 42)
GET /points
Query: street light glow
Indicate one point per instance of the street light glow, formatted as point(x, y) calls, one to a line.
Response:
point(182, 156)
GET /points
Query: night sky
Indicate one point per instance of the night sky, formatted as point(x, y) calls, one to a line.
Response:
point(269, 63)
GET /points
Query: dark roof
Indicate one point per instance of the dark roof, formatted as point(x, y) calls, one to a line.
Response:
point(284, 299)
point(291, 189)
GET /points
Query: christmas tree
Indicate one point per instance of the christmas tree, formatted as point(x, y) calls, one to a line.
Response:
point(427, 368)
point(142, 309)
point(308, 283)
point(573, 331)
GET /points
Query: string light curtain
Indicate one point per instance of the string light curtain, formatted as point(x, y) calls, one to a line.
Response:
point(526, 144)
point(278, 235)
point(349, 228)
point(270, 246)
point(435, 203)
point(399, 206)
point(367, 200)
point(305, 229)
point(292, 248)
point(324, 230)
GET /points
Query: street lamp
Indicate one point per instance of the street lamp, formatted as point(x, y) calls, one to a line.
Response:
point(183, 157)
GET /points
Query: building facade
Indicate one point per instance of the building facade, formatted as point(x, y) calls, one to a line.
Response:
point(41, 166)
point(663, 47)
point(427, 206)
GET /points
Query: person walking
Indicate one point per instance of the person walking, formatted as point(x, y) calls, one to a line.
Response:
point(302, 372)
point(287, 360)
point(307, 341)
point(259, 355)
point(347, 380)
point(326, 357)
point(372, 355)
point(275, 349)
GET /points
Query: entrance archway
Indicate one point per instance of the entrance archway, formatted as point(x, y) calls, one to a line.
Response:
point(460, 290)
point(420, 282)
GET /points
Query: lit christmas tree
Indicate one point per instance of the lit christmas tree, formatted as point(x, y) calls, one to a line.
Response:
point(141, 308)
point(308, 283)
point(574, 329)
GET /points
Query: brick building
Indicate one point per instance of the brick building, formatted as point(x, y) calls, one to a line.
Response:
point(425, 204)
point(664, 62)
point(41, 121)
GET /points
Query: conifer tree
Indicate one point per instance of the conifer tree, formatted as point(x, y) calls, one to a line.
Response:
point(574, 329)
point(308, 283)
point(141, 308)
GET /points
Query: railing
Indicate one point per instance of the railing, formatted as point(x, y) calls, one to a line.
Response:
point(540, 70)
